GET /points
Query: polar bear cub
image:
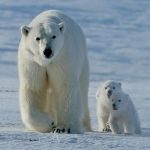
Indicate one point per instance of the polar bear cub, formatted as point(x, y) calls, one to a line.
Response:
point(116, 108)
point(54, 74)
point(123, 117)
point(103, 93)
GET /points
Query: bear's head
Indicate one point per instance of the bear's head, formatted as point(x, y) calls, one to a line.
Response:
point(117, 101)
point(43, 42)
point(108, 88)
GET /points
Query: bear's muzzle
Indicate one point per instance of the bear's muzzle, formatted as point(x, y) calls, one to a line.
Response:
point(48, 53)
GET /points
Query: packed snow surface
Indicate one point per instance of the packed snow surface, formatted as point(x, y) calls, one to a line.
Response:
point(118, 41)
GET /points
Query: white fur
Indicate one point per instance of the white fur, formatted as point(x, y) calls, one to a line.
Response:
point(103, 102)
point(122, 120)
point(125, 118)
point(54, 89)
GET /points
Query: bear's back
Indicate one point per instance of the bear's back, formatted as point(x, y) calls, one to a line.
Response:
point(57, 17)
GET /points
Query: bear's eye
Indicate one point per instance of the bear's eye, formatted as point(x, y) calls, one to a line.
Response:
point(38, 39)
point(119, 100)
point(53, 37)
point(112, 100)
point(105, 88)
point(114, 87)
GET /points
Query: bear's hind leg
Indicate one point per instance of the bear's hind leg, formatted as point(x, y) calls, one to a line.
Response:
point(84, 85)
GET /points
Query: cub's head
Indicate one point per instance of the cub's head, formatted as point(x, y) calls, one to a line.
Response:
point(117, 101)
point(43, 42)
point(108, 88)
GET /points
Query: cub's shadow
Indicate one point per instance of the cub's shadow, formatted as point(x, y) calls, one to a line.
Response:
point(145, 132)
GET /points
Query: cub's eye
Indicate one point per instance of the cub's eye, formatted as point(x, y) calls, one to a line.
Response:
point(38, 39)
point(112, 100)
point(105, 88)
point(119, 100)
point(114, 87)
point(53, 37)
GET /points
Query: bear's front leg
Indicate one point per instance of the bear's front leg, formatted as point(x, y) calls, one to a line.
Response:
point(32, 114)
point(113, 125)
point(103, 124)
point(129, 126)
point(69, 110)
point(75, 115)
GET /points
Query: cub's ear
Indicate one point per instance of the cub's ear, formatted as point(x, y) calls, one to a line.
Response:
point(25, 30)
point(120, 84)
point(62, 27)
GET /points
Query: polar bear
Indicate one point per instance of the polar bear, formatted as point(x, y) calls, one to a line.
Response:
point(103, 93)
point(123, 117)
point(108, 87)
point(54, 74)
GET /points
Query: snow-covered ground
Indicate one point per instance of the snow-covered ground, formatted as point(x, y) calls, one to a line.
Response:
point(118, 39)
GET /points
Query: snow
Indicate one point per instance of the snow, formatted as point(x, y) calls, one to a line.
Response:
point(118, 38)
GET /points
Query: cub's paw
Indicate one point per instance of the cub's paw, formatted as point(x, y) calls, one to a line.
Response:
point(107, 128)
point(60, 130)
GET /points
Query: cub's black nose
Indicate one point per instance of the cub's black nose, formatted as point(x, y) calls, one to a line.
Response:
point(114, 106)
point(109, 93)
point(48, 53)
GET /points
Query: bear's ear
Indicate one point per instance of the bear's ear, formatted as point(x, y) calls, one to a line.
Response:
point(25, 30)
point(62, 27)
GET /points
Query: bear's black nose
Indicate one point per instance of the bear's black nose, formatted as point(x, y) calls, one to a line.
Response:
point(48, 52)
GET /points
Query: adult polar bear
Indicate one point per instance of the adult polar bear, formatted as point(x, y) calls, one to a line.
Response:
point(54, 74)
